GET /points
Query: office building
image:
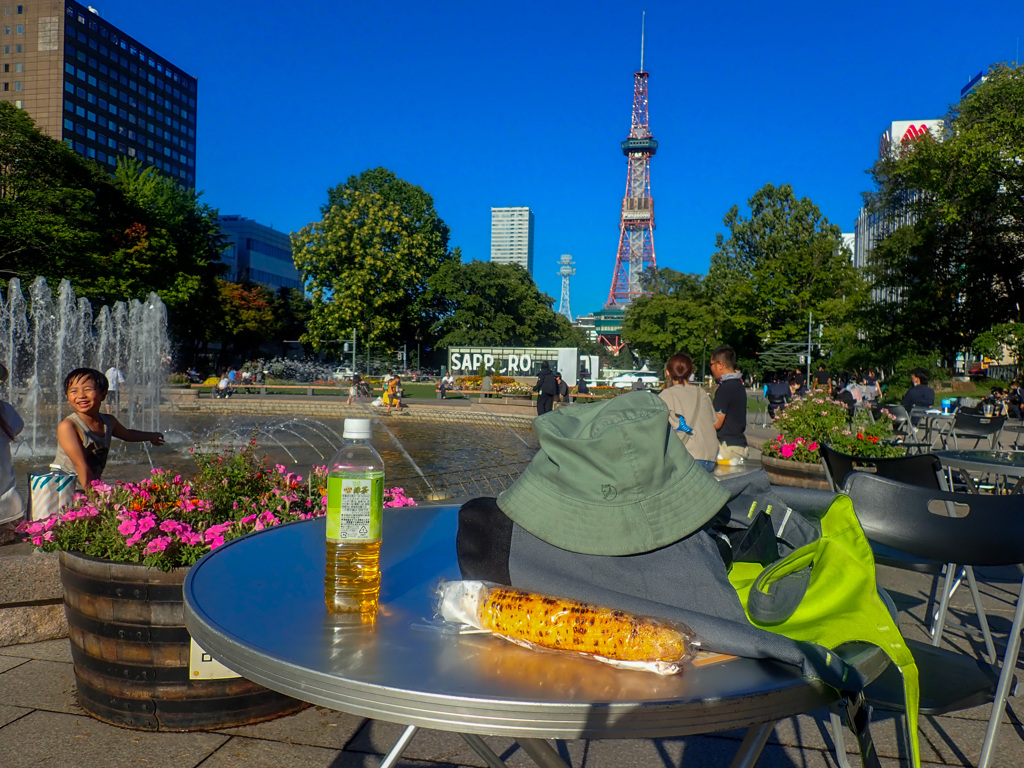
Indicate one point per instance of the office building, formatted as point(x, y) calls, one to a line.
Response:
point(512, 237)
point(257, 253)
point(87, 83)
point(873, 226)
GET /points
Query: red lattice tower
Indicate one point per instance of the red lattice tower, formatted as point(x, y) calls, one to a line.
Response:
point(636, 225)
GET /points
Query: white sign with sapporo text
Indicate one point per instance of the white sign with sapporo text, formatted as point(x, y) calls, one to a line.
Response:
point(202, 666)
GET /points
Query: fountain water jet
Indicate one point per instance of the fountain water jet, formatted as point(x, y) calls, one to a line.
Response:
point(43, 339)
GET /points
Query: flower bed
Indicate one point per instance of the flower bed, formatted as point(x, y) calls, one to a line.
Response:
point(167, 521)
point(806, 423)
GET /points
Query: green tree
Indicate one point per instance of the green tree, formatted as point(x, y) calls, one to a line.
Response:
point(59, 213)
point(774, 267)
point(483, 303)
point(248, 315)
point(367, 261)
point(953, 261)
point(173, 247)
point(1008, 336)
point(675, 316)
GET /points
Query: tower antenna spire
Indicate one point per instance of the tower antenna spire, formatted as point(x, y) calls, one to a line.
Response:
point(643, 23)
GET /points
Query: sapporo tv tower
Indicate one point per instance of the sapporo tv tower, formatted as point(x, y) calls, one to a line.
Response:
point(636, 225)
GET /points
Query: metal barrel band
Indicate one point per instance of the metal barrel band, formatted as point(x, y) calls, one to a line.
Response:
point(138, 673)
point(118, 590)
point(133, 633)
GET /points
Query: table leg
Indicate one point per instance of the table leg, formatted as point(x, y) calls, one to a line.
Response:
point(396, 751)
point(751, 746)
point(542, 753)
point(480, 747)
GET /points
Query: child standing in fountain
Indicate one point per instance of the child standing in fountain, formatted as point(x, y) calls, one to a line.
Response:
point(83, 438)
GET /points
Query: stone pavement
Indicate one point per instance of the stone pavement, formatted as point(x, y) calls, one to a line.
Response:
point(41, 723)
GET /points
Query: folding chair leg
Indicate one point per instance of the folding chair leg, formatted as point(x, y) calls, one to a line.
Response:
point(990, 647)
point(1005, 680)
point(940, 618)
point(836, 726)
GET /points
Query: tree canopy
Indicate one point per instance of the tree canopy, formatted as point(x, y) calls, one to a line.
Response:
point(482, 303)
point(956, 263)
point(114, 237)
point(774, 267)
point(367, 261)
point(676, 315)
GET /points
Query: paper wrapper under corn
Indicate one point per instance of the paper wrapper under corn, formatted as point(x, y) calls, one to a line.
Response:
point(540, 621)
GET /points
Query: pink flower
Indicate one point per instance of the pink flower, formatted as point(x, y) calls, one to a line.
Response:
point(787, 451)
point(159, 544)
point(812, 447)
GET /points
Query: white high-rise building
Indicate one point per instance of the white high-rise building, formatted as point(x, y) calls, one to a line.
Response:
point(512, 236)
point(871, 227)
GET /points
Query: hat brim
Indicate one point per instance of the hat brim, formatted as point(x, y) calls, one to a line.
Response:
point(622, 526)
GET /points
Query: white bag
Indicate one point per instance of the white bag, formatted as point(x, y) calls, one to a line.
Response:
point(49, 493)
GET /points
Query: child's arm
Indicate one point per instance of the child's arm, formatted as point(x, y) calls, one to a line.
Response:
point(71, 443)
point(121, 432)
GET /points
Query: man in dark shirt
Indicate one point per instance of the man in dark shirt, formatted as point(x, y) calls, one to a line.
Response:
point(730, 406)
point(920, 394)
point(821, 380)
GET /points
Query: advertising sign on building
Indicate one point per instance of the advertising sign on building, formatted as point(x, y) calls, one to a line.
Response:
point(515, 361)
point(902, 132)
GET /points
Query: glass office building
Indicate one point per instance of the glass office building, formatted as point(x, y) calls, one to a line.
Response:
point(86, 82)
point(258, 254)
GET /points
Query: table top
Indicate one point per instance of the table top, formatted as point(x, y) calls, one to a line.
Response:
point(257, 605)
point(1003, 462)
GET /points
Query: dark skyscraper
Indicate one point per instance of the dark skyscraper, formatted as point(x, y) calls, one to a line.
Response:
point(86, 82)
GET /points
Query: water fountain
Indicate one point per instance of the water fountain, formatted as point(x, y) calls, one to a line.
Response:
point(43, 336)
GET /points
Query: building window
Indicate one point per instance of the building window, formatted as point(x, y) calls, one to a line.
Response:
point(7, 67)
point(17, 85)
point(19, 67)
point(7, 86)
point(21, 29)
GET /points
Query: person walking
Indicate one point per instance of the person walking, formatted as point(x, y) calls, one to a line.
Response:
point(546, 389)
point(116, 381)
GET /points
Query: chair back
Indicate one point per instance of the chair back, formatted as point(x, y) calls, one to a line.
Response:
point(923, 469)
point(976, 425)
point(986, 531)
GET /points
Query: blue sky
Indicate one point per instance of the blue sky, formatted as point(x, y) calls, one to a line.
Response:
point(486, 104)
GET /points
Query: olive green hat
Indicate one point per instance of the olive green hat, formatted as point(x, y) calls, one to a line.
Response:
point(611, 478)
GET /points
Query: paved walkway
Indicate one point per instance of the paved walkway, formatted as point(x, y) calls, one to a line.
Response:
point(41, 724)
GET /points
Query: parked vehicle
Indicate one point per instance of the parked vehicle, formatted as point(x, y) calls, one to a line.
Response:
point(343, 374)
point(626, 380)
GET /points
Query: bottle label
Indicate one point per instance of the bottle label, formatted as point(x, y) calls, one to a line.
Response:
point(354, 508)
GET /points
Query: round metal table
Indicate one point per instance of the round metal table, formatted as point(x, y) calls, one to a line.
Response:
point(1004, 463)
point(257, 605)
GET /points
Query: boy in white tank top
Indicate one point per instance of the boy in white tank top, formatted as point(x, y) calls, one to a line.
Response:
point(83, 438)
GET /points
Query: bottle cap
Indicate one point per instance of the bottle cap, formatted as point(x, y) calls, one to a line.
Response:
point(356, 429)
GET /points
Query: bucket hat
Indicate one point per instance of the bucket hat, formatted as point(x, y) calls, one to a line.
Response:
point(611, 479)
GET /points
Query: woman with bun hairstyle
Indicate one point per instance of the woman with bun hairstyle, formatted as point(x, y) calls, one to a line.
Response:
point(690, 411)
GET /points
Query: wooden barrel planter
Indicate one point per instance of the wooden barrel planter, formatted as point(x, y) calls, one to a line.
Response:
point(797, 474)
point(131, 653)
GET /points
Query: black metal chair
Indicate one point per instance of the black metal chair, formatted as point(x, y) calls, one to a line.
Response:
point(922, 469)
point(970, 529)
point(973, 425)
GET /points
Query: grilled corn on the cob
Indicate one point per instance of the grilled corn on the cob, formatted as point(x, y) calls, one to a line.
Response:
point(580, 627)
